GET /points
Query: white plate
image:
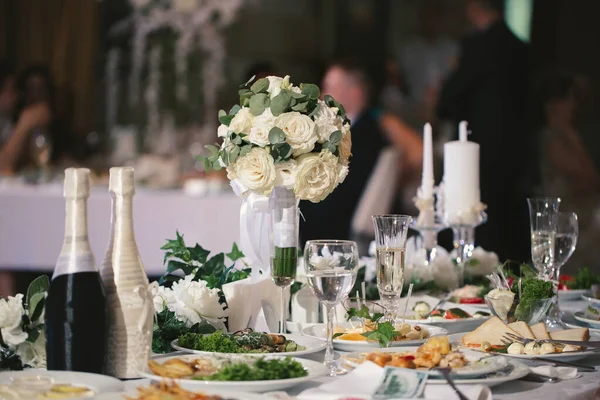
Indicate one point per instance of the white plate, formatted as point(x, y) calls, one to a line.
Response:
point(314, 369)
point(588, 296)
point(480, 363)
point(569, 356)
point(312, 346)
point(97, 383)
point(319, 332)
point(567, 295)
point(455, 325)
point(210, 392)
point(580, 316)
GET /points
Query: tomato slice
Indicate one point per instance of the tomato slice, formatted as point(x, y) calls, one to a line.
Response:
point(471, 300)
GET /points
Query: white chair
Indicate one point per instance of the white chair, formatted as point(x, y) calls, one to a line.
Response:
point(379, 194)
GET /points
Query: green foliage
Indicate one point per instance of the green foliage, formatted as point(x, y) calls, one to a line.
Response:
point(384, 333)
point(167, 327)
point(584, 279)
point(363, 313)
point(217, 342)
point(262, 370)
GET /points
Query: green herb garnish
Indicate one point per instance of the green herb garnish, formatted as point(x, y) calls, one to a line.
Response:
point(364, 313)
point(532, 290)
point(262, 370)
point(384, 333)
point(217, 342)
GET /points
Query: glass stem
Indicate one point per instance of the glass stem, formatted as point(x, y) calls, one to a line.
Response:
point(329, 357)
point(555, 276)
point(282, 312)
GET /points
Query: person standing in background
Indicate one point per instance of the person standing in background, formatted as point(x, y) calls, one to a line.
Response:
point(489, 89)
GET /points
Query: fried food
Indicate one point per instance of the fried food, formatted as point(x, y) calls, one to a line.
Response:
point(177, 368)
point(169, 391)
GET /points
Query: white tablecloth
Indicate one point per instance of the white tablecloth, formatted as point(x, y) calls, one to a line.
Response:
point(32, 224)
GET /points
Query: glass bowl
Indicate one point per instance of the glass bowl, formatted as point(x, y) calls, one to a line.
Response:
point(529, 311)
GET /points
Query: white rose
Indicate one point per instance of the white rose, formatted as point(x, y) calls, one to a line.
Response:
point(255, 170)
point(342, 171)
point(195, 302)
point(274, 85)
point(326, 121)
point(316, 176)
point(33, 354)
point(242, 121)
point(286, 174)
point(161, 296)
point(299, 130)
point(223, 131)
point(259, 133)
point(11, 313)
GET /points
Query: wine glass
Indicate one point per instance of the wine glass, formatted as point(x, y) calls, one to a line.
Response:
point(41, 151)
point(567, 231)
point(543, 216)
point(390, 240)
point(331, 267)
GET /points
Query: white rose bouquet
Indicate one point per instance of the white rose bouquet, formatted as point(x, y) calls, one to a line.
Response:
point(22, 338)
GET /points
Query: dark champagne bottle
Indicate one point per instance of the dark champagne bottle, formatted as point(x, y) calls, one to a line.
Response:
point(76, 308)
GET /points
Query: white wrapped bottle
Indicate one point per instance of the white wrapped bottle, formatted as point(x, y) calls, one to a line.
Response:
point(130, 306)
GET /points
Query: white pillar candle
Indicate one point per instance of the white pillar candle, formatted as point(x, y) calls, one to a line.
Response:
point(461, 178)
point(427, 178)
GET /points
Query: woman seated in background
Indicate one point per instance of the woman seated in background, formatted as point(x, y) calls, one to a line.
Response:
point(39, 138)
point(567, 170)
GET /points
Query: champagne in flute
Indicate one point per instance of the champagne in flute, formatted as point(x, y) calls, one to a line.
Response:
point(543, 216)
point(390, 273)
point(542, 248)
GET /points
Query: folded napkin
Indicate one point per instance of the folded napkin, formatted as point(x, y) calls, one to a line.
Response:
point(563, 373)
point(367, 379)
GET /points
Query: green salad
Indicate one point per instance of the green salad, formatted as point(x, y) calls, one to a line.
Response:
point(261, 370)
point(246, 341)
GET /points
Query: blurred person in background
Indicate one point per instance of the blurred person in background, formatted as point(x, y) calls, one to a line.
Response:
point(567, 170)
point(372, 131)
point(489, 88)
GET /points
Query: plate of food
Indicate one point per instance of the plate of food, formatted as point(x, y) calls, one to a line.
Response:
point(490, 337)
point(354, 336)
point(171, 390)
point(248, 342)
point(42, 384)
point(454, 319)
point(570, 295)
point(233, 372)
point(435, 352)
point(470, 294)
point(590, 316)
point(589, 296)
point(573, 287)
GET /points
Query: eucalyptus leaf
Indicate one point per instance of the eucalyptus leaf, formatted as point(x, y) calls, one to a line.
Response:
point(281, 103)
point(234, 110)
point(216, 165)
point(214, 150)
point(221, 113)
point(36, 305)
point(207, 165)
point(329, 146)
point(233, 154)
point(335, 137)
point(237, 140)
point(260, 86)
point(258, 103)
point(41, 284)
point(276, 135)
point(310, 90)
point(33, 336)
point(285, 151)
point(298, 96)
point(300, 107)
point(248, 82)
point(245, 150)
point(226, 119)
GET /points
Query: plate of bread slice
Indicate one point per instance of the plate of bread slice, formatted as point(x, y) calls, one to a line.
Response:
point(491, 337)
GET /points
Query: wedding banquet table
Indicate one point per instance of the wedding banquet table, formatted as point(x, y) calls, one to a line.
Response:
point(32, 223)
point(582, 388)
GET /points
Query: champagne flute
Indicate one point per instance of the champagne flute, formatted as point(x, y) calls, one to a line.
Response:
point(390, 239)
point(331, 267)
point(543, 216)
point(567, 231)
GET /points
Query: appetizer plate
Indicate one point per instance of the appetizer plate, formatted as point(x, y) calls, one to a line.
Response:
point(479, 364)
point(225, 394)
point(580, 316)
point(589, 297)
point(567, 295)
point(456, 339)
point(314, 369)
point(320, 332)
point(455, 325)
point(39, 379)
point(571, 322)
point(312, 346)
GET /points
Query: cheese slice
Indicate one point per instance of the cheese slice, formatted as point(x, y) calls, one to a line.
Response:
point(539, 331)
point(490, 331)
point(523, 329)
point(581, 334)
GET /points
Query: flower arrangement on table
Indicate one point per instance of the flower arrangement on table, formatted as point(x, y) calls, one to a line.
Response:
point(22, 338)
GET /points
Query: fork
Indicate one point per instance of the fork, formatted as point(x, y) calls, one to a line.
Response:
point(446, 373)
point(509, 338)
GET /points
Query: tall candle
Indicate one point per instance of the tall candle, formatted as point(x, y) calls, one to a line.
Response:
point(461, 177)
point(427, 178)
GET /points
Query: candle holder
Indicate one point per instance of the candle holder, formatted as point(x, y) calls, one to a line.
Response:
point(464, 242)
point(428, 234)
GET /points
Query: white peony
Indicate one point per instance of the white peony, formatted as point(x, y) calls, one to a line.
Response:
point(33, 354)
point(286, 174)
point(162, 296)
point(316, 176)
point(242, 121)
point(326, 121)
point(299, 130)
point(195, 302)
point(259, 133)
point(223, 131)
point(255, 170)
point(11, 313)
point(277, 83)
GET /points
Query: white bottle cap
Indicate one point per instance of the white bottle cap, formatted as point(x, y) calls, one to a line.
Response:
point(121, 181)
point(77, 183)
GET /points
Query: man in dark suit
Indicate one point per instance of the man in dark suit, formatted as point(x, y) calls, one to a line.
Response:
point(489, 89)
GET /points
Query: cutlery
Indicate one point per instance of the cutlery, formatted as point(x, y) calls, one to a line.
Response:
point(446, 373)
point(539, 378)
point(512, 338)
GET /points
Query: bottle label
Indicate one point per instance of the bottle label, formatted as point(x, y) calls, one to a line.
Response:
point(72, 263)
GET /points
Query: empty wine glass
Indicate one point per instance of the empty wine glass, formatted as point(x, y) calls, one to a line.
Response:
point(331, 267)
point(543, 216)
point(567, 231)
point(390, 241)
point(41, 152)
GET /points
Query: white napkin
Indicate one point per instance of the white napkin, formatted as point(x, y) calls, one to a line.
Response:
point(563, 373)
point(362, 382)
